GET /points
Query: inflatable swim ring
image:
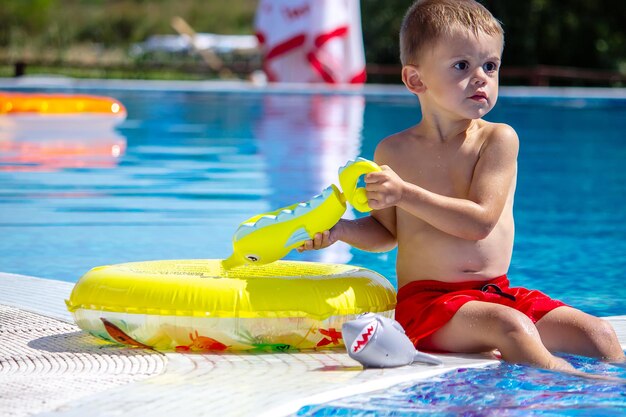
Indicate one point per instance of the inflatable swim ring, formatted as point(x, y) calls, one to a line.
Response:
point(197, 305)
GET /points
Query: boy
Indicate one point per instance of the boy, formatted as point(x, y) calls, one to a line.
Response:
point(445, 198)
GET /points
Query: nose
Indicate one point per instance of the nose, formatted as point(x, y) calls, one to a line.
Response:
point(479, 77)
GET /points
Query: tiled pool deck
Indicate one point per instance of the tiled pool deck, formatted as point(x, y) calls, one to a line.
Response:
point(49, 367)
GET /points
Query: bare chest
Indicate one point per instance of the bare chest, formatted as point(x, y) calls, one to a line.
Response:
point(447, 170)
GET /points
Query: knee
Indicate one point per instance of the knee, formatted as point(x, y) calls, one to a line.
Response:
point(604, 338)
point(604, 330)
point(514, 325)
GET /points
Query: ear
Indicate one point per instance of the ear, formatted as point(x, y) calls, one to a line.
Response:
point(412, 79)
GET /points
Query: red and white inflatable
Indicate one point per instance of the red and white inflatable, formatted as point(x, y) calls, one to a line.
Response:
point(311, 41)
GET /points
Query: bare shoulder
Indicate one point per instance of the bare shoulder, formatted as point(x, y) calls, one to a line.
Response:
point(389, 146)
point(500, 135)
point(500, 132)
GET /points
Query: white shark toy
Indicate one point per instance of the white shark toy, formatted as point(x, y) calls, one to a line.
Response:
point(378, 342)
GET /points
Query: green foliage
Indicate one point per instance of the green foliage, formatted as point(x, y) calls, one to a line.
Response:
point(381, 24)
point(578, 33)
point(22, 18)
point(58, 23)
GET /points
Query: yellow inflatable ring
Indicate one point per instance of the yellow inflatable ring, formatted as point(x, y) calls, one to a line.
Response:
point(196, 305)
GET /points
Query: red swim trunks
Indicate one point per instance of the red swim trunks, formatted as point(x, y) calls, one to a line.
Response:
point(426, 306)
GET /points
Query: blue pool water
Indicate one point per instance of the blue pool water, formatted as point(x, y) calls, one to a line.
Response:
point(503, 390)
point(176, 178)
point(192, 166)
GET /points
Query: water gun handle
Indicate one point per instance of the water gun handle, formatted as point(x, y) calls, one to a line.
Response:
point(348, 178)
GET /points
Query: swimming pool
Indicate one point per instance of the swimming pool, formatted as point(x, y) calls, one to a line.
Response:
point(186, 168)
point(502, 390)
point(175, 180)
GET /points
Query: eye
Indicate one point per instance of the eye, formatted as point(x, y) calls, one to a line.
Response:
point(490, 67)
point(462, 66)
point(252, 258)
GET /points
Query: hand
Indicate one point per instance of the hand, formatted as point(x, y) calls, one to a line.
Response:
point(384, 189)
point(322, 240)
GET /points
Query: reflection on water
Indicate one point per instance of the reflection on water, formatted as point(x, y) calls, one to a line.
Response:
point(181, 174)
point(304, 141)
point(31, 148)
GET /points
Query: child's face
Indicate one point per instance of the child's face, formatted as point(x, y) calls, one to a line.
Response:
point(460, 74)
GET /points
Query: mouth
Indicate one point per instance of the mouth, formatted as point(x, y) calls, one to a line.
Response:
point(479, 96)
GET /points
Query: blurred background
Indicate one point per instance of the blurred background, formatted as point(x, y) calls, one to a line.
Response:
point(548, 42)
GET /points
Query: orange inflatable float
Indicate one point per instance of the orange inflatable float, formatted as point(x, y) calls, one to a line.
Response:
point(59, 104)
point(54, 112)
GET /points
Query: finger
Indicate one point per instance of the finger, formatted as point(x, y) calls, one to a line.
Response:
point(373, 195)
point(372, 177)
point(377, 203)
point(377, 175)
point(317, 241)
point(307, 245)
point(325, 238)
point(373, 187)
point(374, 204)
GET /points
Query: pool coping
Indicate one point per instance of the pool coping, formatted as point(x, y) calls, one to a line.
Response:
point(215, 384)
point(246, 87)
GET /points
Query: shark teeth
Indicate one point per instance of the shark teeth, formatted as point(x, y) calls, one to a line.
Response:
point(284, 215)
point(351, 162)
point(265, 221)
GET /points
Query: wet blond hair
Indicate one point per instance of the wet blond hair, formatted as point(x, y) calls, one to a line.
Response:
point(427, 21)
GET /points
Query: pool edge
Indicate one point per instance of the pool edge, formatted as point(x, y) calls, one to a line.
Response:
point(245, 87)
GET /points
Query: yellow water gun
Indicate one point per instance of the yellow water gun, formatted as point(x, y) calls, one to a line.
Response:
point(268, 237)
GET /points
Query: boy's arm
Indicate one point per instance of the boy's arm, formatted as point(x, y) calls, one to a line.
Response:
point(373, 233)
point(366, 233)
point(470, 218)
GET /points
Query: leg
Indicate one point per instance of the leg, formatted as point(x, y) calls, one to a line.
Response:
point(479, 327)
point(568, 330)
